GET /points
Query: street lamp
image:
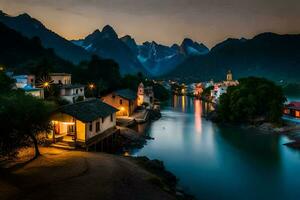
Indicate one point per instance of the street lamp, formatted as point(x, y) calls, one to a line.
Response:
point(91, 86)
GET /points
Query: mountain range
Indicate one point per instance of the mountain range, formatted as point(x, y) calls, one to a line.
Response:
point(22, 54)
point(31, 27)
point(270, 55)
point(150, 58)
point(273, 56)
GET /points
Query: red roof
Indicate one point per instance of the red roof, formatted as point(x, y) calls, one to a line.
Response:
point(294, 104)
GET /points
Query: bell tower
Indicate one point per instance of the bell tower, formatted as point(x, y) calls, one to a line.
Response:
point(229, 76)
point(140, 94)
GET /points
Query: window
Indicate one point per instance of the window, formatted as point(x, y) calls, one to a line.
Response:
point(121, 101)
point(297, 114)
point(97, 126)
point(102, 119)
point(76, 91)
point(113, 96)
point(91, 127)
point(111, 118)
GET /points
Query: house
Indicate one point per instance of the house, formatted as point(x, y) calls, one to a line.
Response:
point(124, 100)
point(61, 78)
point(67, 91)
point(145, 95)
point(35, 92)
point(24, 80)
point(221, 87)
point(292, 109)
point(83, 123)
point(72, 92)
point(198, 89)
point(229, 80)
point(27, 84)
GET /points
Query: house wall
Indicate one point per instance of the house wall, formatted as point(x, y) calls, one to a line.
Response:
point(107, 124)
point(125, 109)
point(71, 94)
point(80, 128)
point(63, 128)
point(64, 79)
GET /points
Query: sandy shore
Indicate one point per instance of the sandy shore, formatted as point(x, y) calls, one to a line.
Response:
point(60, 174)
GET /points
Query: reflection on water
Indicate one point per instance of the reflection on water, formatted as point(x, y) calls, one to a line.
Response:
point(221, 162)
point(198, 115)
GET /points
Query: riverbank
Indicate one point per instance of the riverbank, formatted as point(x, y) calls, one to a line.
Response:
point(62, 174)
point(288, 128)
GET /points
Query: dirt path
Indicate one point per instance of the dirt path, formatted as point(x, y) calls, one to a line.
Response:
point(63, 175)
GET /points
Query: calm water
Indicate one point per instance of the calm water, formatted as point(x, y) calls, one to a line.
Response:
point(215, 162)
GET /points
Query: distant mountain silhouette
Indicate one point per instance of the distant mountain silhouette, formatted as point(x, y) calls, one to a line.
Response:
point(31, 27)
point(19, 53)
point(158, 59)
point(270, 55)
point(106, 44)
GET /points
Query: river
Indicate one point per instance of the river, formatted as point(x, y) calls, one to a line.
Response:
point(221, 162)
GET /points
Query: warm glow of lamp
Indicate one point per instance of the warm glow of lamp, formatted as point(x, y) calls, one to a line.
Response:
point(122, 108)
point(46, 84)
point(91, 86)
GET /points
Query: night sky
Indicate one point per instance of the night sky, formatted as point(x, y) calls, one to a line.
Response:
point(165, 21)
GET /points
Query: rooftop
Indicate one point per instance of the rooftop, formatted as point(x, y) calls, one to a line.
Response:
point(29, 88)
point(88, 111)
point(126, 93)
point(294, 105)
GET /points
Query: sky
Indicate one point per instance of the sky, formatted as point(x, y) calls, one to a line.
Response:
point(164, 21)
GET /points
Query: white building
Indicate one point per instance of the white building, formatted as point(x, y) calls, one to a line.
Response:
point(24, 80)
point(72, 93)
point(145, 95)
point(27, 83)
point(221, 87)
point(68, 91)
point(61, 78)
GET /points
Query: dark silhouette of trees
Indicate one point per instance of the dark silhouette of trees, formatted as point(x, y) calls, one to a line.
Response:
point(253, 98)
point(22, 119)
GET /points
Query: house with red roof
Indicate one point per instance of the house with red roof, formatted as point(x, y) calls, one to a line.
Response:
point(292, 109)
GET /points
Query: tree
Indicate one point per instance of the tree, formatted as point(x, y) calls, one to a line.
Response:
point(6, 83)
point(253, 98)
point(22, 119)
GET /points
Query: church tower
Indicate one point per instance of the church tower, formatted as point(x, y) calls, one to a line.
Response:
point(229, 76)
point(140, 94)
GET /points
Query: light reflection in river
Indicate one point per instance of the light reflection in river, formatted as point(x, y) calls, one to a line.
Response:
point(221, 162)
point(198, 116)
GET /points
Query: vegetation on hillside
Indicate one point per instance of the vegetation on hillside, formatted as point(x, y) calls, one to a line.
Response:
point(254, 98)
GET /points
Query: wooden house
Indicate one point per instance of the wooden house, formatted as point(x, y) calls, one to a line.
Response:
point(84, 123)
point(292, 109)
point(124, 100)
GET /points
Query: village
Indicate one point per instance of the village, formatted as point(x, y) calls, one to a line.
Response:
point(94, 123)
point(91, 123)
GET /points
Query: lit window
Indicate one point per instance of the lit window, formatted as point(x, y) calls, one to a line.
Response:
point(297, 113)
